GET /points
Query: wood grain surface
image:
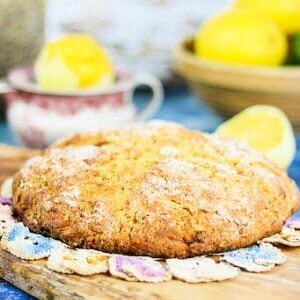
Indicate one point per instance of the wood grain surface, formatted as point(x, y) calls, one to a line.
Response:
point(283, 282)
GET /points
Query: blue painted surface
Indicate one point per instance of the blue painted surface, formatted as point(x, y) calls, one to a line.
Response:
point(9, 292)
point(179, 106)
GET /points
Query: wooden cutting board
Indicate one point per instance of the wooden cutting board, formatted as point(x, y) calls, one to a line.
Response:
point(283, 282)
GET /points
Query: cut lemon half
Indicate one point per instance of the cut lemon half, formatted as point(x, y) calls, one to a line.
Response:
point(264, 128)
point(75, 61)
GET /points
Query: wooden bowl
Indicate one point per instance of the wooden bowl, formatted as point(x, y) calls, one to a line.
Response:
point(229, 89)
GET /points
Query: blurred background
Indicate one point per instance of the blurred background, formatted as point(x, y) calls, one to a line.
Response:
point(213, 58)
point(140, 36)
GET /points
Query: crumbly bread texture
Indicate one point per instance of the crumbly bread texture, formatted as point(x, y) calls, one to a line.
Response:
point(154, 189)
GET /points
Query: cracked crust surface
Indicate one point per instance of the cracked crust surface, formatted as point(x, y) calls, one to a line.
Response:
point(156, 189)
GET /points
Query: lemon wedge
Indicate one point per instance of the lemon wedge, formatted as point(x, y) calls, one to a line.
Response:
point(264, 128)
point(75, 61)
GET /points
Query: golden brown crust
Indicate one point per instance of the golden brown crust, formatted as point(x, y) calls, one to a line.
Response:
point(156, 189)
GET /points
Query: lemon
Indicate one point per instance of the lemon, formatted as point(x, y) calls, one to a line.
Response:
point(241, 38)
point(286, 13)
point(73, 62)
point(266, 129)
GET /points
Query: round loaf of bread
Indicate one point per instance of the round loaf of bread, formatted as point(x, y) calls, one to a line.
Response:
point(154, 189)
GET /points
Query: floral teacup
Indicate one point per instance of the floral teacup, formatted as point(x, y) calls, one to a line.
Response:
point(38, 117)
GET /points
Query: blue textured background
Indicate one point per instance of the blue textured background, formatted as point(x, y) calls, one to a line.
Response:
point(179, 106)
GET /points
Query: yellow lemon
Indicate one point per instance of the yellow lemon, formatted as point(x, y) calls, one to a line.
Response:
point(241, 38)
point(286, 13)
point(266, 129)
point(74, 61)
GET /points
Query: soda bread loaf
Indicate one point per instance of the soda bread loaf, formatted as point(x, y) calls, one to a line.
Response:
point(154, 189)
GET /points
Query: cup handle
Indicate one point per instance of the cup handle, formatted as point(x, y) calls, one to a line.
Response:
point(5, 87)
point(158, 94)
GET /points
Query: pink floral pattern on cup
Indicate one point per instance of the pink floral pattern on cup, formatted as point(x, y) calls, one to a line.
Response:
point(39, 117)
point(68, 104)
